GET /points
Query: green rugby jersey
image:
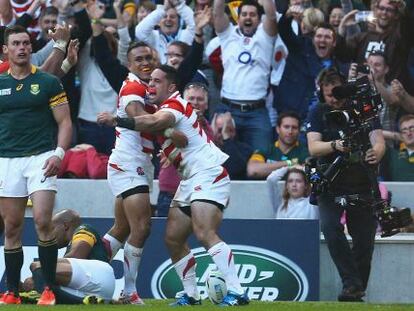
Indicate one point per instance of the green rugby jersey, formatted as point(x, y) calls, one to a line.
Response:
point(88, 234)
point(298, 153)
point(27, 123)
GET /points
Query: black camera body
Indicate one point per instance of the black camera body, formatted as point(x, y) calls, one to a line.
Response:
point(363, 104)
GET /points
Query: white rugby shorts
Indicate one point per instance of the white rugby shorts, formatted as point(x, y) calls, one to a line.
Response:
point(91, 277)
point(211, 184)
point(20, 177)
point(125, 176)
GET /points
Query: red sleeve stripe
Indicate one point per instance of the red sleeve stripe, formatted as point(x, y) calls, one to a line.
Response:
point(117, 133)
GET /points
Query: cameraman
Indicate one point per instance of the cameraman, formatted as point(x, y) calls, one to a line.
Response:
point(353, 264)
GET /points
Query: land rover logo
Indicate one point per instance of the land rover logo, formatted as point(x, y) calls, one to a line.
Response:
point(267, 275)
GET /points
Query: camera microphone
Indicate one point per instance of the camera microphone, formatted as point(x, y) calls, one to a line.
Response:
point(344, 91)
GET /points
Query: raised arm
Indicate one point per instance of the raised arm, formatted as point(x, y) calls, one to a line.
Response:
point(187, 14)
point(193, 60)
point(221, 20)
point(111, 67)
point(6, 12)
point(61, 36)
point(123, 32)
point(272, 182)
point(144, 30)
point(270, 20)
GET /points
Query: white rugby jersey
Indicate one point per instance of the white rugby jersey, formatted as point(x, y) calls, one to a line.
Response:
point(247, 63)
point(131, 145)
point(200, 153)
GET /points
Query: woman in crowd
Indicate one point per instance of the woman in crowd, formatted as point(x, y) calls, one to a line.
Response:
point(294, 200)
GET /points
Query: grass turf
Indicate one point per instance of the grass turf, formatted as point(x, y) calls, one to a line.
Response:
point(254, 306)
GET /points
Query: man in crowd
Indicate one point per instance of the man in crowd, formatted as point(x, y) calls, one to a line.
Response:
point(286, 151)
point(34, 108)
point(47, 22)
point(308, 55)
point(247, 51)
point(202, 194)
point(224, 129)
point(355, 178)
point(391, 34)
point(84, 270)
point(398, 164)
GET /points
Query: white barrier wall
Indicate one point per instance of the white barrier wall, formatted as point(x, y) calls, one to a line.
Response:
point(248, 199)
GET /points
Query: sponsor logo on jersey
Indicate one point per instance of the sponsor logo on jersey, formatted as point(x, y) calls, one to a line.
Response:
point(19, 87)
point(197, 188)
point(34, 89)
point(266, 275)
point(4, 92)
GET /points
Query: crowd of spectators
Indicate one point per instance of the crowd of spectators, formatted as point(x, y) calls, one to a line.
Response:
point(241, 64)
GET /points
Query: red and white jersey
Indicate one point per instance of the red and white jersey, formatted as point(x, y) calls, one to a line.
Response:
point(131, 145)
point(200, 153)
point(21, 7)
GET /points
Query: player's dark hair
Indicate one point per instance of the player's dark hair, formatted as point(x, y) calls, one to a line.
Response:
point(171, 73)
point(11, 30)
point(287, 114)
point(137, 44)
point(253, 3)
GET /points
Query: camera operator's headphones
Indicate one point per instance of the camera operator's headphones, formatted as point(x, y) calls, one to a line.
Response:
point(328, 76)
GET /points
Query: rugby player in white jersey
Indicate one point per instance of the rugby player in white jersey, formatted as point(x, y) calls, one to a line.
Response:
point(128, 168)
point(202, 194)
point(130, 171)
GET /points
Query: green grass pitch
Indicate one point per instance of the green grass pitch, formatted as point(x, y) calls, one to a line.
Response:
point(153, 304)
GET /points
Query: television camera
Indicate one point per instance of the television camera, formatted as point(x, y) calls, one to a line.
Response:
point(354, 123)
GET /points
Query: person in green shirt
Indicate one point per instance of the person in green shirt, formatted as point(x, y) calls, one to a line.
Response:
point(35, 131)
point(398, 164)
point(286, 151)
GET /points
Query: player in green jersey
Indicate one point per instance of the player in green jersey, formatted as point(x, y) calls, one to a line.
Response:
point(35, 131)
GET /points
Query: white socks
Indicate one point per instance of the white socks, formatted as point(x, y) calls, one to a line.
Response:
point(112, 245)
point(185, 269)
point(132, 259)
point(224, 260)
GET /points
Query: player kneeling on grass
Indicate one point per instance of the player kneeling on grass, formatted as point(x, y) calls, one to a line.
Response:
point(84, 272)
